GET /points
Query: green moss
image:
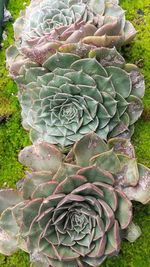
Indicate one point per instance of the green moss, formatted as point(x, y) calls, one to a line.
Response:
point(19, 259)
point(5, 108)
point(139, 51)
point(13, 138)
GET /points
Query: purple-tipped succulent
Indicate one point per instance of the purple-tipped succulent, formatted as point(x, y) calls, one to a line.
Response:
point(71, 210)
point(46, 24)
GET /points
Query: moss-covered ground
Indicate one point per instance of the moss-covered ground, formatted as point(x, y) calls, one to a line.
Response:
point(13, 138)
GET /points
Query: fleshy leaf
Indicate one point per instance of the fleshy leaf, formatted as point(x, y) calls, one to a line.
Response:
point(45, 189)
point(94, 261)
point(107, 161)
point(70, 183)
point(133, 232)
point(141, 192)
point(33, 180)
point(108, 57)
point(113, 244)
point(8, 223)
point(8, 244)
point(124, 211)
point(122, 146)
point(129, 174)
point(95, 174)
point(14, 198)
point(41, 156)
point(135, 108)
point(89, 66)
point(120, 81)
point(92, 145)
point(60, 60)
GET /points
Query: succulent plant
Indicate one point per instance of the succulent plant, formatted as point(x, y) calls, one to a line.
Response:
point(47, 24)
point(70, 96)
point(71, 211)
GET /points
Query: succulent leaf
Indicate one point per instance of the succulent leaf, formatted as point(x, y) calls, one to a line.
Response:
point(107, 161)
point(15, 197)
point(141, 192)
point(8, 245)
point(122, 146)
point(133, 232)
point(43, 158)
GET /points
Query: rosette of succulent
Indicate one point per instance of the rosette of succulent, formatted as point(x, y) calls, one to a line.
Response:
point(46, 24)
point(77, 91)
point(74, 210)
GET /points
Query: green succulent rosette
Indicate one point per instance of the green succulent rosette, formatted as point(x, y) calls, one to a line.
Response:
point(71, 210)
point(71, 95)
point(46, 24)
